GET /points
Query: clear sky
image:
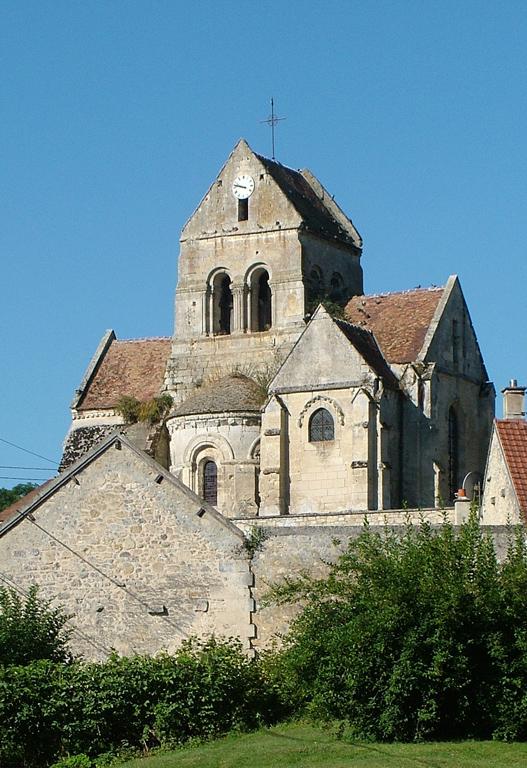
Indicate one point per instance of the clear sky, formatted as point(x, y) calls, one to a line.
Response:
point(117, 115)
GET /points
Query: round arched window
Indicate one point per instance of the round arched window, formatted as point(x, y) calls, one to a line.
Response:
point(321, 426)
point(210, 482)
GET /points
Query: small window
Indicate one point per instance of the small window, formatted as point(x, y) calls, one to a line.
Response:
point(321, 426)
point(210, 482)
point(243, 209)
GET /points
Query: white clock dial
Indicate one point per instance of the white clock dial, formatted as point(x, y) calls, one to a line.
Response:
point(243, 186)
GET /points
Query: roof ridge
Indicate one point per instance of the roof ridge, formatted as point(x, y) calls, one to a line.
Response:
point(426, 289)
point(145, 338)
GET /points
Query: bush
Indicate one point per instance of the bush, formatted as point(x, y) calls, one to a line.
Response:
point(48, 711)
point(31, 629)
point(422, 636)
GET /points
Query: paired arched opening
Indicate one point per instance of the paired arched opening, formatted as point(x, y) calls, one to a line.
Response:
point(260, 300)
point(321, 426)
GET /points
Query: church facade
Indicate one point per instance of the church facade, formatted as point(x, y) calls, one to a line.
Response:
point(299, 405)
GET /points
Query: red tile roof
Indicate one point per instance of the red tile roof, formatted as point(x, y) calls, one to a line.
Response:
point(399, 321)
point(513, 438)
point(6, 513)
point(135, 367)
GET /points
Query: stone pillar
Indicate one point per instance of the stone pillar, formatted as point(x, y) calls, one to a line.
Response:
point(238, 320)
point(206, 316)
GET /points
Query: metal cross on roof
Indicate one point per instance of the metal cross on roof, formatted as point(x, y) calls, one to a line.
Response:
point(272, 120)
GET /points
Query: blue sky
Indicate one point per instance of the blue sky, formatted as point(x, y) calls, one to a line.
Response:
point(116, 116)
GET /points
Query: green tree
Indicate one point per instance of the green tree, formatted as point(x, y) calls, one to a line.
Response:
point(8, 496)
point(31, 629)
point(419, 636)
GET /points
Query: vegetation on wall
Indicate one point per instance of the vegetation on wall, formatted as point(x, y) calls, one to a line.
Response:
point(151, 411)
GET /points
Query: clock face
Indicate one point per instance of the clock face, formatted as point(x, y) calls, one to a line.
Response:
point(243, 186)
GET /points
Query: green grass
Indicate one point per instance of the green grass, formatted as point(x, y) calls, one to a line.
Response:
point(308, 746)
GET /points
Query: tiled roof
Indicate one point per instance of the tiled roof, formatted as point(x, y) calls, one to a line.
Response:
point(316, 216)
point(364, 342)
point(232, 394)
point(399, 321)
point(135, 367)
point(6, 513)
point(513, 438)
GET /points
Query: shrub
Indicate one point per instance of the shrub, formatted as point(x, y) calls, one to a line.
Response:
point(419, 636)
point(48, 711)
point(31, 629)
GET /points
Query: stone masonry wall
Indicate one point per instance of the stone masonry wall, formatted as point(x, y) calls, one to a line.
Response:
point(132, 560)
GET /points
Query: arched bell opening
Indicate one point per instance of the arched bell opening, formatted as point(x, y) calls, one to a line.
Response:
point(222, 303)
point(261, 301)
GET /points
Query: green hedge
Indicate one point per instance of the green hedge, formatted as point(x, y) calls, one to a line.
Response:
point(50, 710)
point(419, 636)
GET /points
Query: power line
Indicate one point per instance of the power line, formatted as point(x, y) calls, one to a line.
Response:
point(40, 469)
point(27, 479)
point(14, 445)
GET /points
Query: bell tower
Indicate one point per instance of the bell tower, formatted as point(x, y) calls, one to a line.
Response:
point(264, 245)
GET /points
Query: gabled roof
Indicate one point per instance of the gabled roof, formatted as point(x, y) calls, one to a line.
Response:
point(331, 353)
point(232, 394)
point(365, 343)
point(399, 321)
point(30, 503)
point(315, 205)
point(34, 494)
point(135, 367)
point(512, 434)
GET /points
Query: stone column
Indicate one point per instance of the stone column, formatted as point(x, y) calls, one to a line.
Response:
point(238, 320)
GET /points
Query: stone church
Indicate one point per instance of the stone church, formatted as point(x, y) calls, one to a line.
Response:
point(299, 405)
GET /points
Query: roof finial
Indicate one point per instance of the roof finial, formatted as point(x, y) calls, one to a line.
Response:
point(272, 120)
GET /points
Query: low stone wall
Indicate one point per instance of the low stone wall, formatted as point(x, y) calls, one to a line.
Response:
point(292, 545)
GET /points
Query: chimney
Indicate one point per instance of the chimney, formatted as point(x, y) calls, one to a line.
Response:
point(513, 401)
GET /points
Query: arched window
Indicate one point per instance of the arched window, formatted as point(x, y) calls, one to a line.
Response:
point(321, 426)
point(261, 314)
point(453, 453)
point(210, 482)
point(222, 304)
point(314, 292)
point(336, 287)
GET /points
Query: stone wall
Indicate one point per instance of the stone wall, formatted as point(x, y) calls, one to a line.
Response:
point(126, 551)
point(306, 544)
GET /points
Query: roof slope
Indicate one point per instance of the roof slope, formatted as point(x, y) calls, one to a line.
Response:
point(317, 216)
point(513, 438)
point(399, 321)
point(134, 367)
point(9, 511)
point(232, 394)
point(365, 343)
point(38, 496)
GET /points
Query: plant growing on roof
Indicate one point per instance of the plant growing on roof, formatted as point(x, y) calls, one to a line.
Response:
point(152, 411)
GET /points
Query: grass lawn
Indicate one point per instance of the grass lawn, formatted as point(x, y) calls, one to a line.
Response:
point(307, 746)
